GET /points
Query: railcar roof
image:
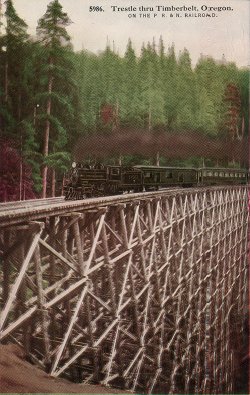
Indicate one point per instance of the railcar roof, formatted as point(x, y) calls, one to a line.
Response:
point(148, 167)
point(221, 169)
point(164, 167)
point(189, 168)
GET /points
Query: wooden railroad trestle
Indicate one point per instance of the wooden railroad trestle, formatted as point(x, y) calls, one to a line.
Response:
point(147, 295)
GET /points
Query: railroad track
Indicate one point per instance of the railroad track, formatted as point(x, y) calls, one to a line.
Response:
point(29, 203)
point(23, 211)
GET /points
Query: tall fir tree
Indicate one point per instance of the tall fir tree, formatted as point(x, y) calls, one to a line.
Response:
point(170, 88)
point(151, 92)
point(110, 78)
point(12, 67)
point(53, 36)
point(88, 105)
point(16, 88)
point(186, 93)
point(129, 96)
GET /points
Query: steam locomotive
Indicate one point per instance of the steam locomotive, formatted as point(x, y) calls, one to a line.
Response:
point(86, 180)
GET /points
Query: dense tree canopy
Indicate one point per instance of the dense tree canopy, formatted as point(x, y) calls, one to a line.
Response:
point(50, 96)
point(157, 88)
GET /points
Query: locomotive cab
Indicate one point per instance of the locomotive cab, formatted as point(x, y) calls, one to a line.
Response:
point(114, 173)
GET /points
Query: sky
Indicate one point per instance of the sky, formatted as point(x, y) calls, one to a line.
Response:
point(227, 33)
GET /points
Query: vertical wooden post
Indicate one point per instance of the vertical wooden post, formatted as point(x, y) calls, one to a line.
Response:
point(42, 310)
point(79, 246)
point(52, 270)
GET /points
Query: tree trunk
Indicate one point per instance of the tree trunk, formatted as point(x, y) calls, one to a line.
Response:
point(53, 183)
point(63, 183)
point(158, 159)
point(6, 83)
point(46, 136)
point(242, 127)
point(21, 150)
point(116, 117)
point(21, 178)
point(149, 119)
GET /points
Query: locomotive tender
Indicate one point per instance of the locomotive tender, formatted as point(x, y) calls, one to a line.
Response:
point(86, 180)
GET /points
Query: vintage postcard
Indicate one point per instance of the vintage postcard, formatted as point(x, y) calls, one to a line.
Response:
point(124, 168)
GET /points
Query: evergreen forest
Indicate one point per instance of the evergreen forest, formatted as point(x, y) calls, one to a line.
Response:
point(58, 105)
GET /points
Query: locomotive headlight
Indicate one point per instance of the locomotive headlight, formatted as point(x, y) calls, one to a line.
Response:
point(73, 165)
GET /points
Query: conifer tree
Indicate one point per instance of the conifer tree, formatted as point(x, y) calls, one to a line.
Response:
point(129, 99)
point(88, 104)
point(186, 93)
point(13, 41)
point(53, 36)
point(2, 72)
point(16, 88)
point(152, 97)
point(210, 89)
point(110, 80)
point(170, 87)
point(233, 107)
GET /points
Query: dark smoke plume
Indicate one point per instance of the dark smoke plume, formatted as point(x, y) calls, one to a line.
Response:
point(169, 145)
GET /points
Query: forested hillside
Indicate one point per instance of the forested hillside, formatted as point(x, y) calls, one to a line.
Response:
point(53, 100)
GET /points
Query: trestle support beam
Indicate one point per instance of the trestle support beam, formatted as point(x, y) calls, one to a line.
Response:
point(146, 294)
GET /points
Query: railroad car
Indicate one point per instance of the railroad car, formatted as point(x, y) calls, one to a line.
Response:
point(86, 180)
point(218, 176)
point(155, 177)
